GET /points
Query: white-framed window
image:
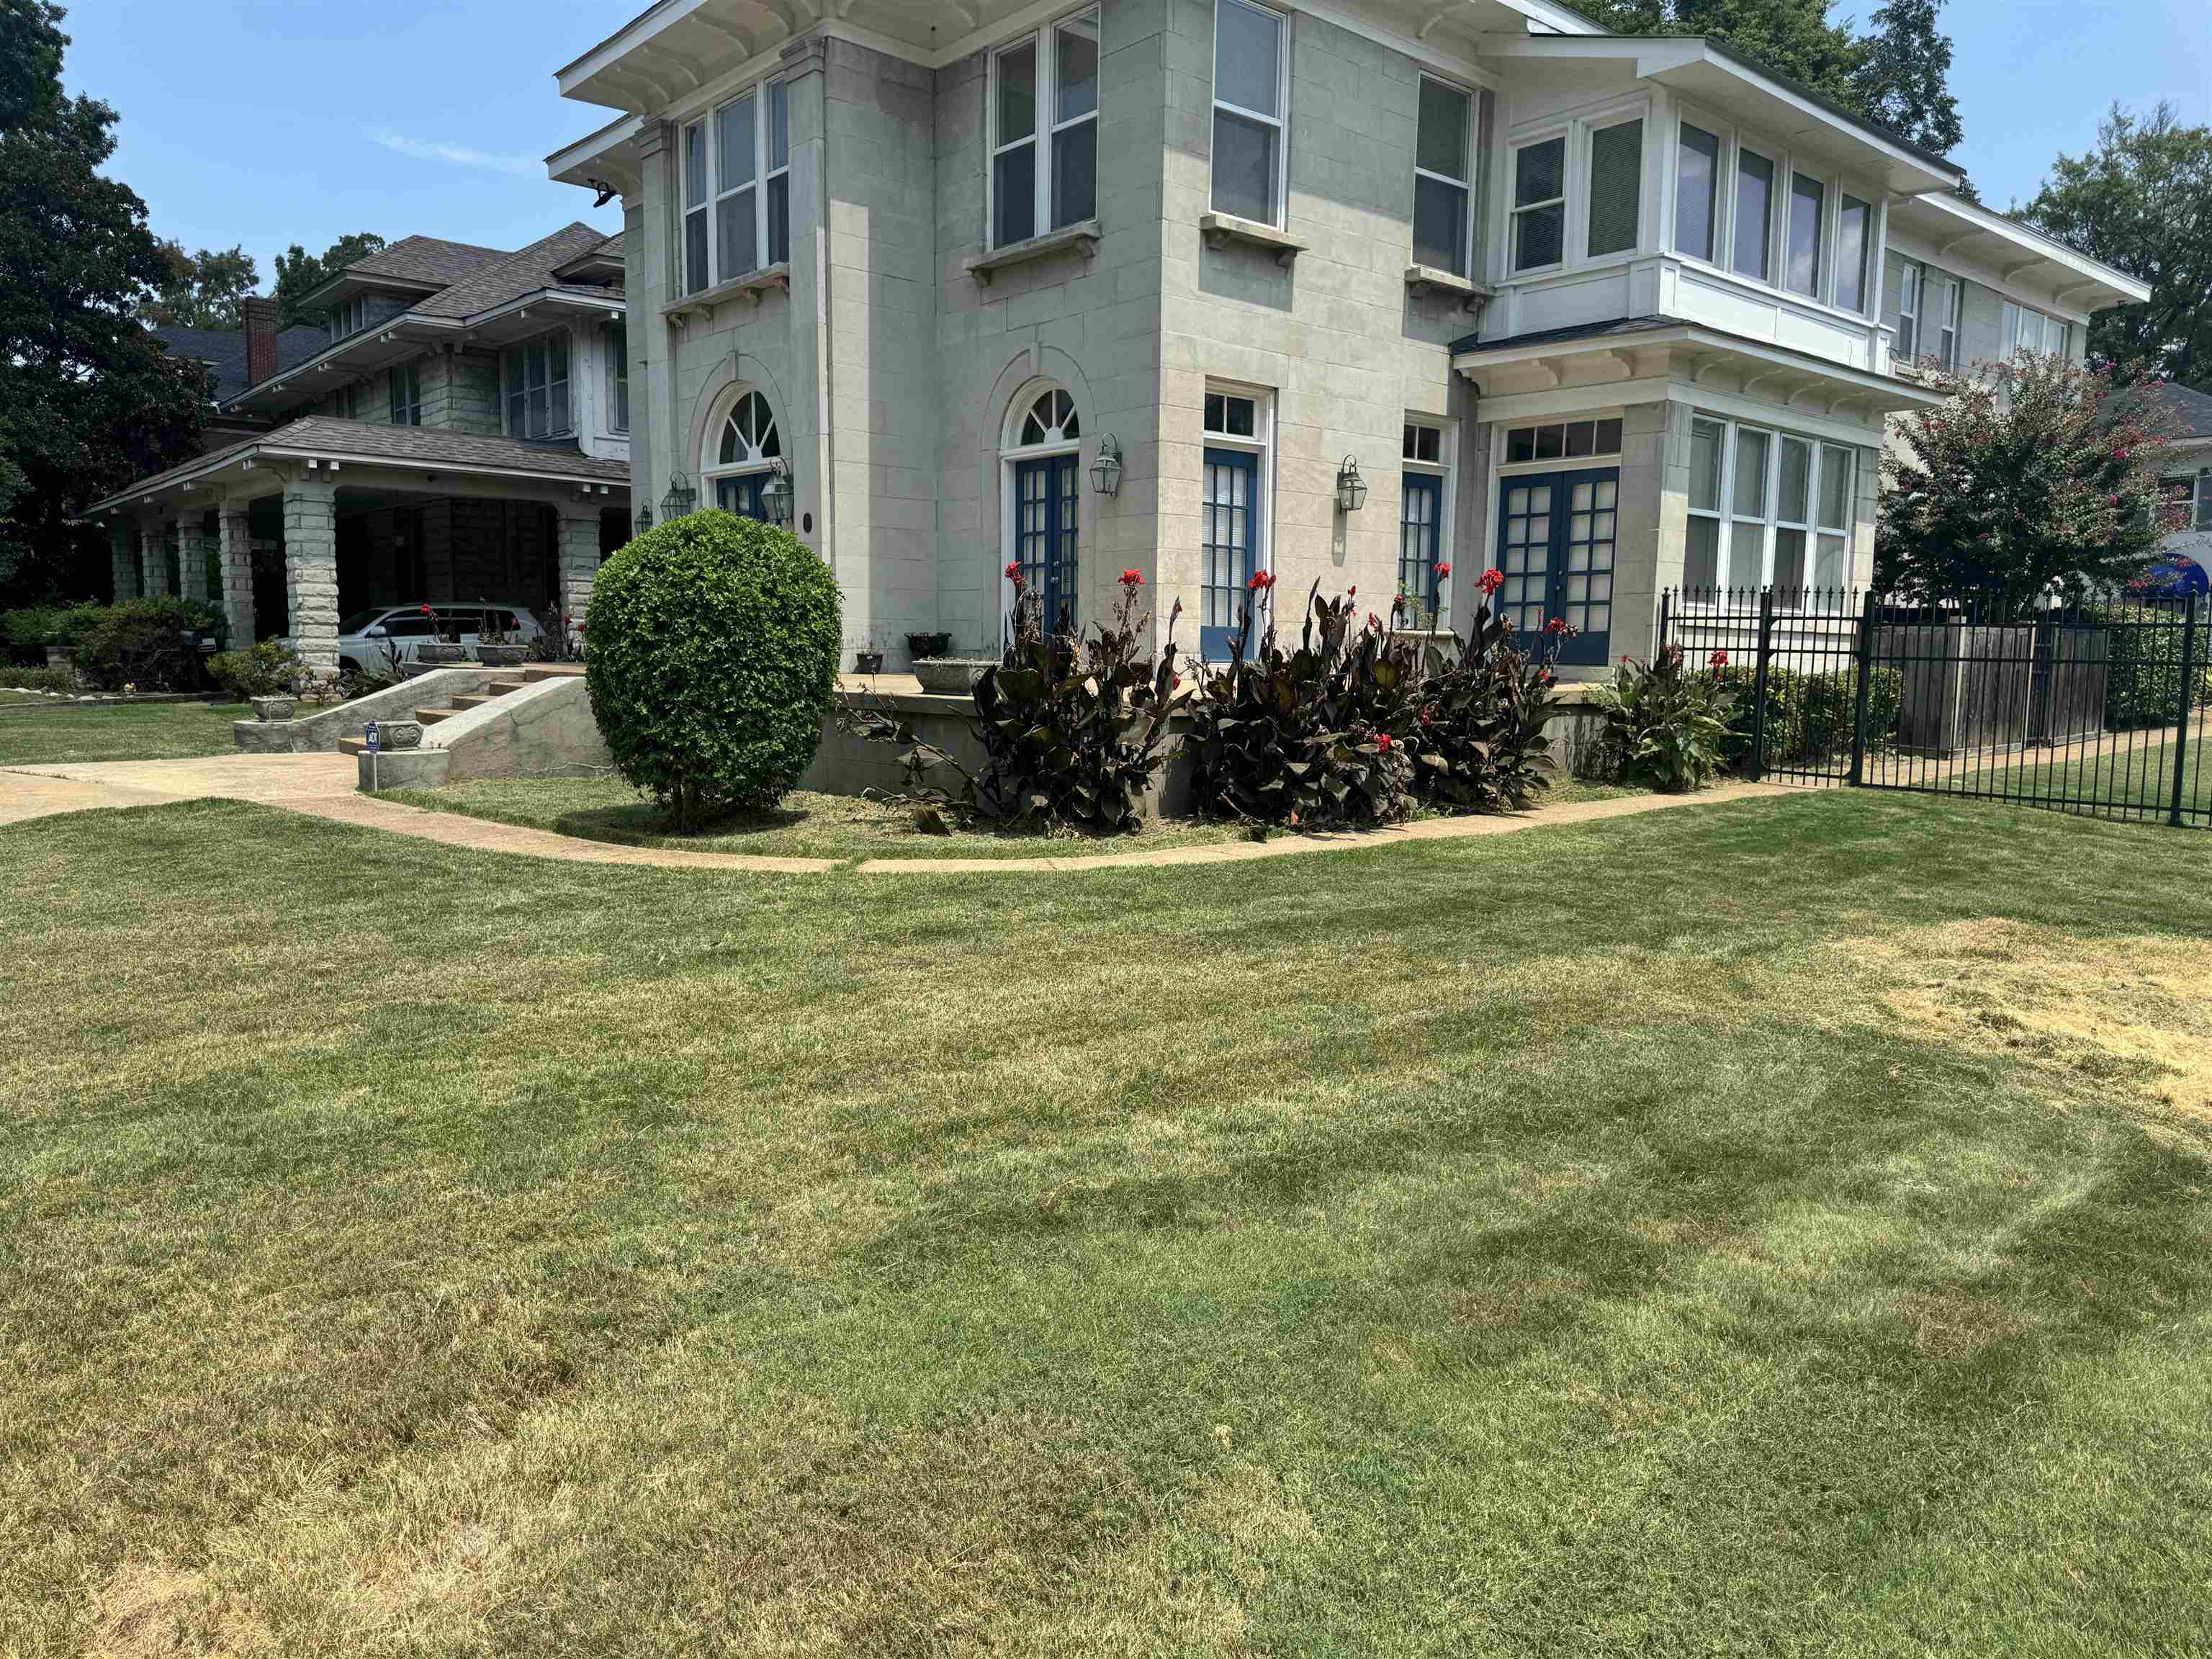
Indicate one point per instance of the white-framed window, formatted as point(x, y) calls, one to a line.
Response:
point(534, 387)
point(1041, 468)
point(1753, 215)
point(1928, 303)
point(1444, 164)
point(2027, 330)
point(405, 385)
point(1236, 499)
point(1045, 130)
point(1945, 295)
point(1424, 506)
point(1768, 508)
point(618, 377)
point(737, 187)
point(1250, 76)
point(345, 402)
point(1808, 214)
point(1696, 192)
point(743, 450)
point(1854, 243)
point(1908, 311)
point(2192, 493)
point(1539, 217)
point(351, 318)
point(1613, 203)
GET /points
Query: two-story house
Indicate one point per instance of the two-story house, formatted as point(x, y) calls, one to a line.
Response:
point(1351, 292)
point(460, 430)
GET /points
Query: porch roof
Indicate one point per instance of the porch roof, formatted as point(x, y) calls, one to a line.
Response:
point(323, 441)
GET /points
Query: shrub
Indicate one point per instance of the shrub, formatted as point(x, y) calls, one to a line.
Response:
point(2142, 686)
point(1073, 728)
point(60, 678)
point(151, 643)
point(25, 635)
point(1808, 716)
point(1665, 725)
point(1479, 739)
point(270, 669)
point(713, 660)
point(1307, 738)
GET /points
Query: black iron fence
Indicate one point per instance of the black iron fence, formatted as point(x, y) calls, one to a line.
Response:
point(2093, 708)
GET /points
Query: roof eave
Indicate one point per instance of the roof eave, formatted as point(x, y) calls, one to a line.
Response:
point(2093, 280)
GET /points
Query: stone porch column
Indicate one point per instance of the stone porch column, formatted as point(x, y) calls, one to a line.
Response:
point(122, 555)
point(152, 559)
point(311, 571)
point(234, 531)
point(195, 541)
point(579, 558)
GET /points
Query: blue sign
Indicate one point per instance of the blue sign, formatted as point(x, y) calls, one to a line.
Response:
point(370, 733)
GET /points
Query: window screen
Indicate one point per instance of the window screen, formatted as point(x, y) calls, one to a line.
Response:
point(1615, 184)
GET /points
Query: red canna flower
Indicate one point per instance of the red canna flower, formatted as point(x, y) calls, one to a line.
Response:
point(1719, 659)
point(1261, 581)
point(1175, 682)
point(1547, 677)
point(1492, 580)
point(428, 611)
point(1374, 622)
point(1557, 625)
point(1382, 741)
point(1132, 579)
point(1443, 573)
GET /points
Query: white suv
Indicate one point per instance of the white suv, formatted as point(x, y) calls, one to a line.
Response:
point(369, 639)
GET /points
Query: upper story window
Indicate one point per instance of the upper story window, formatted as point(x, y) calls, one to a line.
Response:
point(1044, 131)
point(1816, 238)
point(345, 403)
point(1928, 303)
point(1616, 185)
point(406, 389)
point(1248, 65)
point(1443, 177)
point(737, 188)
point(618, 378)
point(2031, 331)
point(2193, 495)
point(534, 377)
point(1540, 203)
point(351, 318)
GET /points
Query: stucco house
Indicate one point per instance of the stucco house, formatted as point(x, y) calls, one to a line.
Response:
point(2188, 474)
point(1350, 292)
point(460, 430)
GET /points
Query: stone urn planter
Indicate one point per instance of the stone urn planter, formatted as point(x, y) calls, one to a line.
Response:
point(867, 662)
point(919, 645)
point(499, 656)
point(274, 709)
point(439, 651)
point(60, 656)
point(951, 677)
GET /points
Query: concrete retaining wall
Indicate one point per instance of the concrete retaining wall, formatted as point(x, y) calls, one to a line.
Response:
point(319, 733)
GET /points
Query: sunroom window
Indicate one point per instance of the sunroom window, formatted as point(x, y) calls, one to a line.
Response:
point(1616, 180)
point(1854, 240)
point(1444, 173)
point(1788, 517)
point(1540, 203)
point(1247, 112)
point(1696, 192)
point(1754, 209)
point(1808, 201)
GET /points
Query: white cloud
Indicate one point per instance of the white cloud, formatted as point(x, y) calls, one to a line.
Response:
point(459, 155)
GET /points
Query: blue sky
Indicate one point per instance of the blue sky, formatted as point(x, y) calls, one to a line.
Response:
point(268, 122)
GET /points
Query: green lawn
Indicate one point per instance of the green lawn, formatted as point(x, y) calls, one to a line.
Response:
point(2130, 769)
point(806, 825)
point(47, 732)
point(1771, 1229)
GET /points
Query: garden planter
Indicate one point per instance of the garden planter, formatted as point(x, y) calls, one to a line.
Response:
point(499, 656)
point(60, 656)
point(951, 677)
point(867, 662)
point(441, 651)
point(274, 709)
point(919, 645)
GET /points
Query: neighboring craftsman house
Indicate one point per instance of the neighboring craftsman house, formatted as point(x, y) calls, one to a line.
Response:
point(462, 432)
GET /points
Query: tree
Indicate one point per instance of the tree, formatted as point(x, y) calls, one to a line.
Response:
point(299, 273)
point(1904, 79)
point(2142, 202)
point(88, 399)
point(206, 289)
point(2032, 477)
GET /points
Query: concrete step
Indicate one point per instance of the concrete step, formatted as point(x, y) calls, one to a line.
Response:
point(432, 716)
point(501, 688)
point(470, 700)
point(552, 671)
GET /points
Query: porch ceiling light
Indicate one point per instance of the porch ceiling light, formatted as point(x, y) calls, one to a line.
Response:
point(680, 500)
point(776, 494)
point(1351, 488)
point(1106, 470)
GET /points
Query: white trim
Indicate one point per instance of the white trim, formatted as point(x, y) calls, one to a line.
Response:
point(1045, 130)
point(1261, 443)
point(707, 125)
point(1470, 234)
point(1770, 519)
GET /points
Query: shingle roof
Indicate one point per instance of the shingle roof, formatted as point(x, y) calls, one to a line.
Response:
point(525, 272)
point(225, 348)
point(428, 261)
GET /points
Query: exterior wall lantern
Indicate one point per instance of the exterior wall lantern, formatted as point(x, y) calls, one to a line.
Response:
point(1106, 470)
point(680, 500)
point(776, 493)
point(1351, 488)
point(645, 518)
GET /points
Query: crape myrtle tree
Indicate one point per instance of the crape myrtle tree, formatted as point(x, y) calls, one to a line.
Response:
point(2033, 480)
point(88, 399)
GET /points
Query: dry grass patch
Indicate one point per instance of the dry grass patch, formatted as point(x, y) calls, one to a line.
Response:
point(2130, 1010)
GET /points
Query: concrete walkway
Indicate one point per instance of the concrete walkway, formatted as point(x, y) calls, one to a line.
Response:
point(322, 786)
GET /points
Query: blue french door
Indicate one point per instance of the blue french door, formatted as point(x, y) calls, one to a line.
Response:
point(1420, 529)
point(742, 496)
point(1555, 547)
point(1045, 501)
point(1231, 500)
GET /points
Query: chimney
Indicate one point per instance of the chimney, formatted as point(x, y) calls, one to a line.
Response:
point(260, 339)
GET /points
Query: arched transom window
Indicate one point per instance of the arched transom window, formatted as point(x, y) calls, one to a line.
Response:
point(743, 456)
point(1051, 420)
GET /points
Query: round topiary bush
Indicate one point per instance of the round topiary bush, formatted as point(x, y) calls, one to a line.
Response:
point(711, 654)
